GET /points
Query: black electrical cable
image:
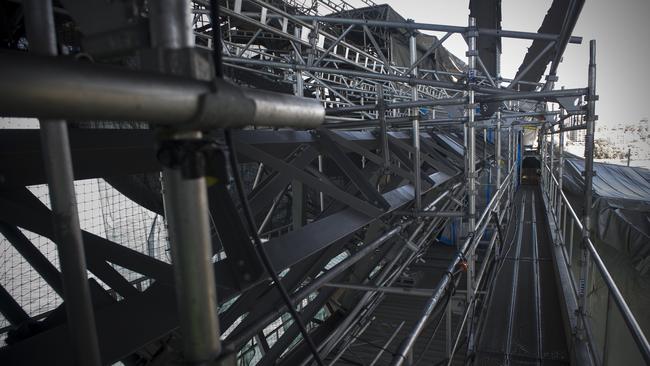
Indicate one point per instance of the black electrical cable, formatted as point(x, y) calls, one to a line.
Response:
point(262, 253)
point(218, 72)
point(216, 38)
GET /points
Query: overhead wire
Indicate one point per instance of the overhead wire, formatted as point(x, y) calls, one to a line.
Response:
point(234, 164)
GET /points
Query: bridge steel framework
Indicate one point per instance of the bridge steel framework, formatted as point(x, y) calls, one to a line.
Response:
point(346, 183)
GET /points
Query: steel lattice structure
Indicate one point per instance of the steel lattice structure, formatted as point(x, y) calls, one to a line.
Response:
point(360, 142)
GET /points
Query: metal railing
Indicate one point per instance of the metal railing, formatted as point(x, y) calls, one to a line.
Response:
point(568, 224)
point(405, 351)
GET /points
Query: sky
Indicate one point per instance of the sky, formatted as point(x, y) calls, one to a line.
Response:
point(620, 28)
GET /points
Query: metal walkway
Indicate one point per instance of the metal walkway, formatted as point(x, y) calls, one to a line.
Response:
point(397, 313)
point(523, 323)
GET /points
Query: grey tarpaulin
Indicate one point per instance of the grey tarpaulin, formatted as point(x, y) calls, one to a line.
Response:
point(621, 207)
point(621, 235)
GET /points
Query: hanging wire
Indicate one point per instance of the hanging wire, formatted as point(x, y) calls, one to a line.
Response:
point(218, 71)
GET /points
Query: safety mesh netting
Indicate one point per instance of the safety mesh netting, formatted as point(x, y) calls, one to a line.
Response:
point(103, 211)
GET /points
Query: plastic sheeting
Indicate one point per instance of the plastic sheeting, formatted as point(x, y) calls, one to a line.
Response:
point(621, 208)
point(621, 216)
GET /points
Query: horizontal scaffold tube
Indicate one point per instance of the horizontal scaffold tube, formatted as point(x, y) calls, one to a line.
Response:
point(438, 28)
point(541, 95)
point(44, 87)
point(394, 122)
point(347, 72)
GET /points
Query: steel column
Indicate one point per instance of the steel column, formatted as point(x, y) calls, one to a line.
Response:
point(381, 115)
point(186, 210)
point(498, 147)
point(470, 165)
point(417, 181)
point(561, 165)
point(509, 150)
point(299, 82)
point(57, 159)
point(588, 189)
point(470, 138)
point(540, 147)
point(551, 156)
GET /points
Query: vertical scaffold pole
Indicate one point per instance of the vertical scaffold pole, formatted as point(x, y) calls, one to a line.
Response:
point(498, 148)
point(470, 169)
point(297, 189)
point(470, 140)
point(510, 162)
point(551, 190)
point(299, 82)
point(560, 168)
point(519, 141)
point(416, 128)
point(541, 138)
point(588, 193)
point(186, 209)
point(381, 113)
point(57, 160)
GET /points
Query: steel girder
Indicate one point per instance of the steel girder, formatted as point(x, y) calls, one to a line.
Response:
point(341, 226)
point(561, 18)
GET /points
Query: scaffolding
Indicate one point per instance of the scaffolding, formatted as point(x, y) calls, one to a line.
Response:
point(251, 189)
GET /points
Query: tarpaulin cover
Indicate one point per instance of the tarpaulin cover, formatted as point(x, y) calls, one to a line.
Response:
point(396, 41)
point(621, 208)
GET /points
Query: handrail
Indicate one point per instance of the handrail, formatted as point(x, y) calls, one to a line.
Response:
point(479, 280)
point(566, 201)
point(447, 278)
point(630, 321)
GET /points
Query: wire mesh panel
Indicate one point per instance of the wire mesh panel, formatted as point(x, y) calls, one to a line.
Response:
point(103, 211)
point(24, 284)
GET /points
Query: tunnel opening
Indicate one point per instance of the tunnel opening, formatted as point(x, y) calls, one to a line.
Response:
point(530, 170)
